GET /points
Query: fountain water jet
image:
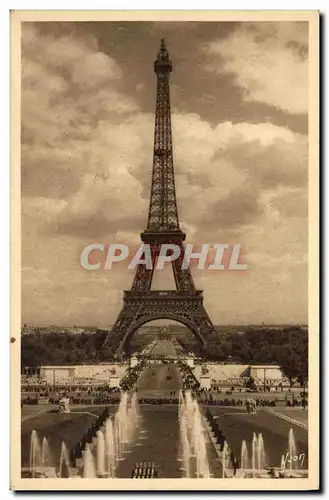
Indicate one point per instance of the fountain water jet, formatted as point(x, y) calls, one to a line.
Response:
point(111, 439)
point(35, 453)
point(192, 437)
point(224, 459)
point(244, 455)
point(45, 454)
point(100, 453)
point(110, 447)
point(40, 463)
point(89, 469)
point(260, 452)
point(185, 448)
point(253, 454)
point(292, 449)
point(64, 463)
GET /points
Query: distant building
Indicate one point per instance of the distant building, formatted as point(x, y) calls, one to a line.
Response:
point(110, 373)
point(220, 371)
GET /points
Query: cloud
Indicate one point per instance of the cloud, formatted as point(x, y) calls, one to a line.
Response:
point(290, 202)
point(222, 171)
point(269, 61)
point(220, 174)
point(68, 87)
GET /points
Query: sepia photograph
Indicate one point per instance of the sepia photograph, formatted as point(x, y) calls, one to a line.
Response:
point(164, 250)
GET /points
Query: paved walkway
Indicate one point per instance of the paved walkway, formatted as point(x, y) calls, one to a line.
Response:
point(289, 418)
point(159, 380)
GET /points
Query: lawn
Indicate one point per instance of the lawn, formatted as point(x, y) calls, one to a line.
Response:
point(238, 426)
point(58, 427)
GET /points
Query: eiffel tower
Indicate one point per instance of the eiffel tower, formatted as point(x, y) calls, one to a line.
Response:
point(141, 304)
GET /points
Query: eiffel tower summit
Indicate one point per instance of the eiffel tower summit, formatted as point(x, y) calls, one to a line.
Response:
point(140, 303)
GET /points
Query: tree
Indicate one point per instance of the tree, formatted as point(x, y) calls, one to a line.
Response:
point(293, 357)
point(214, 352)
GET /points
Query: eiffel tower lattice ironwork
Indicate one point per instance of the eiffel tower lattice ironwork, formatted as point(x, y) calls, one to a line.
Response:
point(141, 304)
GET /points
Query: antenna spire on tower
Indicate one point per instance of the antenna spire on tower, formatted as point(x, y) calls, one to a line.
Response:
point(162, 63)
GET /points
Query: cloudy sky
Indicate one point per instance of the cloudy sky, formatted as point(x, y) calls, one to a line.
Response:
point(239, 95)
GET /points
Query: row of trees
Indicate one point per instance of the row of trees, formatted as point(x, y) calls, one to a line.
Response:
point(286, 347)
point(62, 348)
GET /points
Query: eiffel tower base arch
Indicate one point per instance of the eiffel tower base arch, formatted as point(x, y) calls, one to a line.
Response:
point(140, 308)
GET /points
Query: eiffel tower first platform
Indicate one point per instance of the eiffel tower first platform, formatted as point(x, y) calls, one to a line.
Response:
point(141, 304)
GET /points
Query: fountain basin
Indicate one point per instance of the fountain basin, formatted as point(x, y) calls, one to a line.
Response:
point(266, 474)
